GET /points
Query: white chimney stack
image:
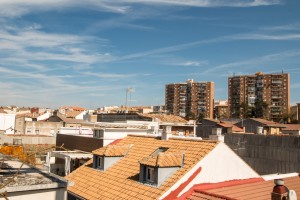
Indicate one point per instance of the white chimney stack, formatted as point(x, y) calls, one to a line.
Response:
point(167, 133)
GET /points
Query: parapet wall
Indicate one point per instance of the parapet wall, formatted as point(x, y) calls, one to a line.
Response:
point(26, 139)
point(267, 154)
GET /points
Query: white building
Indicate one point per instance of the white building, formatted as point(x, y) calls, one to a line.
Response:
point(7, 123)
point(31, 183)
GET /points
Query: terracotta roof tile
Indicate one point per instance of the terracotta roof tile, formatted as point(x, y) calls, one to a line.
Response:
point(120, 181)
point(267, 122)
point(257, 190)
point(164, 160)
point(113, 150)
point(292, 127)
point(72, 114)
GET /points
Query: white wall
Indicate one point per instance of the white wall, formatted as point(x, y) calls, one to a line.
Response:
point(76, 131)
point(111, 135)
point(50, 194)
point(81, 115)
point(7, 121)
point(220, 165)
point(43, 116)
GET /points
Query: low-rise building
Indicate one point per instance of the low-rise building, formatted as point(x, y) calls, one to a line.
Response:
point(207, 125)
point(150, 167)
point(261, 126)
point(22, 181)
point(291, 129)
point(7, 123)
point(36, 125)
point(221, 109)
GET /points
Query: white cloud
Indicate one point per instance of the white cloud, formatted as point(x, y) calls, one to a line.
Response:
point(255, 61)
point(108, 75)
point(255, 36)
point(194, 63)
point(9, 8)
point(209, 3)
point(28, 48)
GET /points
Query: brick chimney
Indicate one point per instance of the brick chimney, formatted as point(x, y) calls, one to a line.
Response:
point(280, 192)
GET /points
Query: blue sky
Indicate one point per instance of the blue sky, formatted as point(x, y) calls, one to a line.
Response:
point(86, 53)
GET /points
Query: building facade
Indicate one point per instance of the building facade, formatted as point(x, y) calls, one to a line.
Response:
point(259, 95)
point(221, 109)
point(191, 97)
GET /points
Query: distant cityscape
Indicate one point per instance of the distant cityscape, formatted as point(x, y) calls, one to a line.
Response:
point(169, 151)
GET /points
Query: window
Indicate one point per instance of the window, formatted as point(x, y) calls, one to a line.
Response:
point(150, 174)
point(99, 162)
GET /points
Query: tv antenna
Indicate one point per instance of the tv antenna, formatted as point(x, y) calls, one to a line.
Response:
point(128, 92)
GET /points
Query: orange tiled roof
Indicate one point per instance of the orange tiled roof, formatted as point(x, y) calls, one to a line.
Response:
point(113, 150)
point(291, 127)
point(75, 108)
point(120, 181)
point(164, 159)
point(266, 122)
point(72, 114)
point(229, 125)
point(165, 118)
point(258, 190)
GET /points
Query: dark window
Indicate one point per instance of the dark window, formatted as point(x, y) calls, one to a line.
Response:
point(150, 174)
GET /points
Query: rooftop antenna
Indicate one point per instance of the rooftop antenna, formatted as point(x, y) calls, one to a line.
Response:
point(128, 91)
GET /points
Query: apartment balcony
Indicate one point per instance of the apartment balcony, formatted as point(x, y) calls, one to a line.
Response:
point(275, 113)
point(275, 105)
point(275, 85)
point(276, 97)
point(277, 81)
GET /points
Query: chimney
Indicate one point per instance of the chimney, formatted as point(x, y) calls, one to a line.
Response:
point(216, 135)
point(260, 130)
point(280, 192)
point(167, 132)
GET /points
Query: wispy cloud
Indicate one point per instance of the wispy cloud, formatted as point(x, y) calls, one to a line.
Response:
point(229, 38)
point(108, 75)
point(257, 36)
point(285, 27)
point(28, 48)
point(254, 61)
point(170, 60)
point(194, 63)
point(16, 8)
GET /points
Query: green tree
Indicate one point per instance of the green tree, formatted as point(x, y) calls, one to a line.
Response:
point(201, 116)
point(287, 117)
point(261, 109)
point(245, 110)
point(190, 116)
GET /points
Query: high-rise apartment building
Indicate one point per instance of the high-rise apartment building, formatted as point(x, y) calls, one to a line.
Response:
point(190, 98)
point(259, 95)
